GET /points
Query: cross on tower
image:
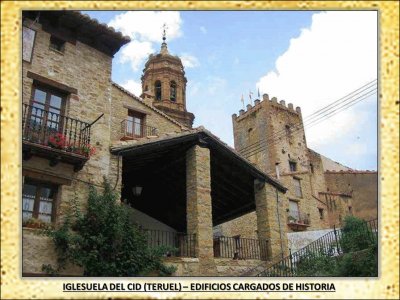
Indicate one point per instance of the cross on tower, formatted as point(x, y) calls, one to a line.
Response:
point(164, 32)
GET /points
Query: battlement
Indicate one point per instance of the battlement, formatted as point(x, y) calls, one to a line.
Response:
point(258, 104)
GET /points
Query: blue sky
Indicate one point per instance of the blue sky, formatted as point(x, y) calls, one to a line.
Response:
point(309, 59)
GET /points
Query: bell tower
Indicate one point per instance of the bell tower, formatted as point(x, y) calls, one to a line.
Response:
point(164, 82)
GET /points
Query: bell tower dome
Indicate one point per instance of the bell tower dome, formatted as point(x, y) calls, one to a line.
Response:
point(164, 82)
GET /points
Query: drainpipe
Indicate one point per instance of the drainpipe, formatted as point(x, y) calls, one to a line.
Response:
point(118, 159)
point(279, 220)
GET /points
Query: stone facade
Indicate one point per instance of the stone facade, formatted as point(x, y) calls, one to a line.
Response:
point(362, 186)
point(124, 101)
point(224, 266)
point(92, 99)
point(271, 135)
point(81, 71)
point(38, 250)
point(164, 84)
point(85, 74)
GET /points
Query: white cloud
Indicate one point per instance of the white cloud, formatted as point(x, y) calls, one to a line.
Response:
point(335, 56)
point(203, 29)
point(189, 61)
point(148, 25)
point(145, 28)
point(135, 53)
point(133, 86)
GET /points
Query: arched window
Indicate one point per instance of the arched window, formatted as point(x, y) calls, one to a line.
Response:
point(146, 88)
point(172, 90)
point(157, 89)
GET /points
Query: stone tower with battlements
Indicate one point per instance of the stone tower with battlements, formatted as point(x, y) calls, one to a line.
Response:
point(271, 135)
point(164, 85)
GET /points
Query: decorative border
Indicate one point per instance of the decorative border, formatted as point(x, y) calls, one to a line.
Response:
point(13, 286)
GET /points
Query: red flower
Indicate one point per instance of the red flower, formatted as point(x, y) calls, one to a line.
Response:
point(88, 150)
point(57, 140)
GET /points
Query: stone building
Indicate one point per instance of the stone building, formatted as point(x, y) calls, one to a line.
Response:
point(78, 126)
point(225, 210)
point(164, 85)
point(321, 192)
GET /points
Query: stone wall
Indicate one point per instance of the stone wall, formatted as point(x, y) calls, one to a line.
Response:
point(123, 101)
point(338, 205)
point(245, 226)
point(275, 130)
point(88, 71)
point(38, 250)
point(299, 240)
point(224, 266)
point(363, 187)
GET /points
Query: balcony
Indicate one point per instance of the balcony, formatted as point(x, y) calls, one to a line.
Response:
point(298, 222)
point(55, 137)
point(131, 130)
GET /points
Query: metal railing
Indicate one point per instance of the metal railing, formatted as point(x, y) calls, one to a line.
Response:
point(330, 244)
point(50, 129)
point(131, 129)
point(180, 244)
point(240, 248)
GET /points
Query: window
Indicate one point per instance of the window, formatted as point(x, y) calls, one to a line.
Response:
point(321, 213)
point(312, 168)
point(146, 88)
point(292, 166)
point(135, 124)
point(294, 213)
point(157, 89)
point(172, 89)
point(297, 188)
point(38, 200)
point(57, 44)
point(350, 210)
point(287, 130)
point(47, 108)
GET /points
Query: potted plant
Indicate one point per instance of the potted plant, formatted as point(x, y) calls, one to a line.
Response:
point(57, 140)
point(292, 219)
point(35, 224)
point(88, 150)
point(72, 148)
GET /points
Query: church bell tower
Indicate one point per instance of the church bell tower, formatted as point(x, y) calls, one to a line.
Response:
point(164, 84)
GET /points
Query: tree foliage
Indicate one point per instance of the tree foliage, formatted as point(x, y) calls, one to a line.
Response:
point(356, 235)
point(104, 240)
point(359, 258)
